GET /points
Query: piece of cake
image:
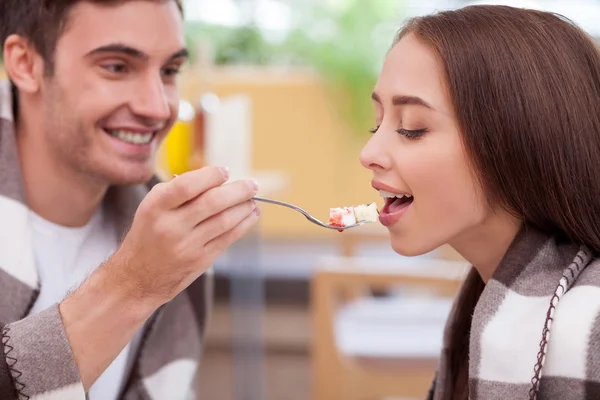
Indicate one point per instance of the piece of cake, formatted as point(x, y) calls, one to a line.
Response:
point(341, 216)
point(367, 213)
point(344, 216)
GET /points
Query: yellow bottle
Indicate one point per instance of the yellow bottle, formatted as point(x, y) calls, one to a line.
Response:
point(174, 153)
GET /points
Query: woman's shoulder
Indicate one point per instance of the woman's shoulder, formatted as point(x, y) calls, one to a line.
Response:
point(583, 296)
point(590, 277)
point(574, 345)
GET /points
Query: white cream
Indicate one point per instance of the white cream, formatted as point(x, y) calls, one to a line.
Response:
point(346, 213)
point(348, 217)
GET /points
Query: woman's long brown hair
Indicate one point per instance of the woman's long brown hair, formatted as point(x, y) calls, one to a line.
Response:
point(525, 86)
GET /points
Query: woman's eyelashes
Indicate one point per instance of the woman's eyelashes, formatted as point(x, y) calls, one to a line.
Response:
point(408, 133)
point(411, 134)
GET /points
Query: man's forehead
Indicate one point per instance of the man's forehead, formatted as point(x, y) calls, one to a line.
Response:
point(150, 26)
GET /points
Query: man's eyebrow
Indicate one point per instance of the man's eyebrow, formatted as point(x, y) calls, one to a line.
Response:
point(118, 48)
point(183, 53)
point(133, 52)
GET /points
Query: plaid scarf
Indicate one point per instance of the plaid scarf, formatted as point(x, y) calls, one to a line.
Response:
point(534, 328)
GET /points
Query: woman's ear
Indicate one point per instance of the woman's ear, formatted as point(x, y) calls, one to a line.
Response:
point(23, 64)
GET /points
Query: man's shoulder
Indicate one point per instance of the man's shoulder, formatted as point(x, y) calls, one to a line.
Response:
point(6, 111)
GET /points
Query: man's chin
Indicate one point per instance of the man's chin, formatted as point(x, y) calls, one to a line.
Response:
point(129, 177)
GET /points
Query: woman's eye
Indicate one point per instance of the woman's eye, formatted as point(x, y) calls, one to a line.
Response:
point(411, 134)
point(408, 133)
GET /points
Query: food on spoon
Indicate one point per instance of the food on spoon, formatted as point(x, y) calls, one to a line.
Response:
point(344, 216)
point(341, 216)
point(366, 213)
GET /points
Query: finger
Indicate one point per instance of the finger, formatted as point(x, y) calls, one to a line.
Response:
point(219, 244)
point(190, 185)
point(217, 200)
point(221, 223)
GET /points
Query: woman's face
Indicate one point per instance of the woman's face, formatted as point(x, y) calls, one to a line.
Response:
point(417, 152)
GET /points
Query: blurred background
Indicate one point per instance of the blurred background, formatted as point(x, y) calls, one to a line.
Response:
point(279, 90)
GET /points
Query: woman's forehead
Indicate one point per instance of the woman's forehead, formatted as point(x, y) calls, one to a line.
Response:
point(411, 68)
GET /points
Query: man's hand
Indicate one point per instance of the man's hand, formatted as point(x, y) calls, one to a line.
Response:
point(178, 231)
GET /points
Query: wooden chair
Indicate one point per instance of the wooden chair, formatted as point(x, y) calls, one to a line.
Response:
point(337, 375)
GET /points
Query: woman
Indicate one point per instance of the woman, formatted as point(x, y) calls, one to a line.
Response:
point(488, 136)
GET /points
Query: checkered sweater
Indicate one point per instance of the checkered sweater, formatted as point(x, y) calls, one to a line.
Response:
point(36, 361)
point(535, 329)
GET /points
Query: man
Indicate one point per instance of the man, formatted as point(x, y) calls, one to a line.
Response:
point(93, 94)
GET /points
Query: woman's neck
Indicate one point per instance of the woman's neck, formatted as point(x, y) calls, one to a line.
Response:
point(484, 246)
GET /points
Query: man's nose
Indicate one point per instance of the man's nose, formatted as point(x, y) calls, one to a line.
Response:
point(151, 101)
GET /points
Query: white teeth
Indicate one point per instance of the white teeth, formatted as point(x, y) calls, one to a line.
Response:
point(389, 195)
point(385, 194)
point(133, 137)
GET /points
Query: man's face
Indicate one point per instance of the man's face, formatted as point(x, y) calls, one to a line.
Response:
point(113, 95)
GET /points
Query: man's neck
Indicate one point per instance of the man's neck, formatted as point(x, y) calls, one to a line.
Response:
point(53, 190)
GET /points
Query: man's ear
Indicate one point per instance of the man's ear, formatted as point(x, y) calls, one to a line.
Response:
point(23, 64)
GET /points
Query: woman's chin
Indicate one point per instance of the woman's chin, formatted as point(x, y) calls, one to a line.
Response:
point(411, 249)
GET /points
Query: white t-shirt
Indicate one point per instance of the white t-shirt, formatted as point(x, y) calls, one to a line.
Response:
point(64, 258)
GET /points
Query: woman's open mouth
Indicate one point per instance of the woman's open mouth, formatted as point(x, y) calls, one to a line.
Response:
point(395, 206)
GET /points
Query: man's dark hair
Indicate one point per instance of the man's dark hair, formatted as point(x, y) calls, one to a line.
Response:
point(42, 22)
